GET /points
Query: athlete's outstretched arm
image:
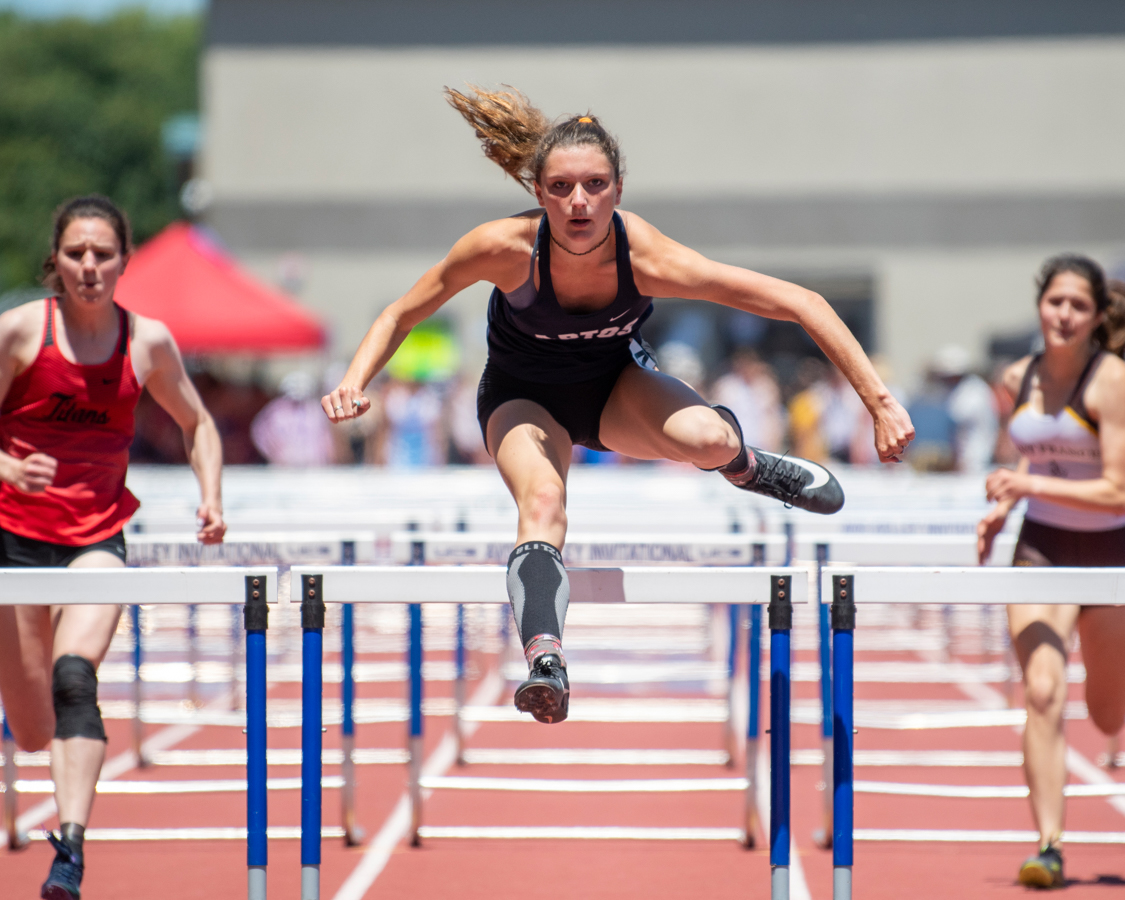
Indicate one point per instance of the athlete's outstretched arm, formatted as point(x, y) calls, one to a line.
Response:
point(664, 268)
point(492, 252)
point(161, 369)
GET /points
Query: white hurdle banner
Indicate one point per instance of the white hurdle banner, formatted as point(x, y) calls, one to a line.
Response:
point(313, 586)
point(846, 588)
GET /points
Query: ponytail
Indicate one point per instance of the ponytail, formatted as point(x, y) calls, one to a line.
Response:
point(1114, 325)
point(518, 137)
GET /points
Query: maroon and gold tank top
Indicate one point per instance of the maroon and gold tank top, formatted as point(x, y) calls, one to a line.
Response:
point(83, 417)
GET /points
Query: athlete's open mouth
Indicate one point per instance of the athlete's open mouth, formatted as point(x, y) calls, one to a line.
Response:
point(580, 223)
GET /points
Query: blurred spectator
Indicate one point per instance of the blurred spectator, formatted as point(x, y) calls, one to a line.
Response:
point(159, 440)
point(750, 390)
point(806, 438)
point(971, 407)
point(413, 413)
point(466, 445)
point(825, 415)
point(932, 448)
point(681, 360)
point(292, 430)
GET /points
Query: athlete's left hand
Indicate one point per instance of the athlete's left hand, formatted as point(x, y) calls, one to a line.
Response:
point(893, 430)
point(1007, 486)
point(209, 518)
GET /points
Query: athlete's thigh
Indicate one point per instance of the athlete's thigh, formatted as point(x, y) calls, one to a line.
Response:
point(87, 629)
point(1102, 630)
point(529, 446)
point(25, 667)
point(1033, 625)
point(651, 415)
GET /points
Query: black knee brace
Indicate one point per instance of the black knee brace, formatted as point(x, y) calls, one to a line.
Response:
point(74, 688)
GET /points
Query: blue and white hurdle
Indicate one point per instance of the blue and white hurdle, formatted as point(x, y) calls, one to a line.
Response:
point(848, 586)
point(315, 585)
point(213, 585)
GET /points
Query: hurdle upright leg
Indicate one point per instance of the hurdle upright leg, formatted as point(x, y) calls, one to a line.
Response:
point(416, 748)
point(459, 686)
point(734, 615)
point(256, 620)
point(353, 835)
point(138, 726)
point(826, 742)
point(753, 720)
point(781, 624)
point(16, 841)
point(843, 633)
point(312, 687)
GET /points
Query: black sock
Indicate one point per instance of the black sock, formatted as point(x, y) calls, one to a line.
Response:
point(73, 835)
point(539, 591)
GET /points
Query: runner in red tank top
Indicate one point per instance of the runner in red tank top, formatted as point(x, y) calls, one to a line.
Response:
point(71, 370)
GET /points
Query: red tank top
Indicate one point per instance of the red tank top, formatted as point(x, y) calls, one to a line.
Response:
point(83, 417)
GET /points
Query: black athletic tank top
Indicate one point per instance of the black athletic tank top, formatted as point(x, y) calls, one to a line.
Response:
point(531, 337)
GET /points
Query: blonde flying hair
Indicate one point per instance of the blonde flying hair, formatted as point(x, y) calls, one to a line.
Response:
point(518, 137)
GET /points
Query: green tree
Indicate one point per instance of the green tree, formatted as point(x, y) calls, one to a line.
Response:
point(81, 108)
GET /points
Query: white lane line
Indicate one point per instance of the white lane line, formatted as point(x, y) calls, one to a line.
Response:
point(218, 786)
point(957, 835)
point(574, 786)
point(798, 886)
point(998, 792)
point(592, 757)
point(919, 758)
point(376, 856)
point(579, 832)
point(218, 833)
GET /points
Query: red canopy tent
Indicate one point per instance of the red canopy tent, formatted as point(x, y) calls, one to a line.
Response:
point(184, 279)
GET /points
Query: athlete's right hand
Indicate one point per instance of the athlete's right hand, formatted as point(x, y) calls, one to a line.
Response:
point(34, 473)
point(344, 403)
point(987, 529)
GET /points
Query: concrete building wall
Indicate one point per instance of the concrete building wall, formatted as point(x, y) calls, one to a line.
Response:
point(943, 171)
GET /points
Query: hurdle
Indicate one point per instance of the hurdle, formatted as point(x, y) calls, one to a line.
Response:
point(849, 585)
point(204, 585)
point(778, 587)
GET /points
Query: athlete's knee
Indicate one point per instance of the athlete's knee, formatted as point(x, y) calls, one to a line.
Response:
point(74, 689)
point(714, 441)
point(545, 504)
point(1044, 683)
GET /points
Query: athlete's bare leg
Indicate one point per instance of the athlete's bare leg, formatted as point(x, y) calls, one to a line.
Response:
point(532, 452)
point(84, 631)
point(25, 674)
point(1102, 630)
point(1040, 634)
point(651, 415)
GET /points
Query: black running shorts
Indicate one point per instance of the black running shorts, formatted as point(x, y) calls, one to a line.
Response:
point(576, 407)
point(19, 551)
point(1045, 545)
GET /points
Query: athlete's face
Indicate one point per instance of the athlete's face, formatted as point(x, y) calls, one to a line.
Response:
point(1068, 313)
point(579, 192)
point(89, 261)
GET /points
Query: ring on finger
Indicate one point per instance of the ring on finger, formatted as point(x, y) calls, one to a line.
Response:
point(338, 408)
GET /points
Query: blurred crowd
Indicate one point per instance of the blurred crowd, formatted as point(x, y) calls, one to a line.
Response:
point(959, 415)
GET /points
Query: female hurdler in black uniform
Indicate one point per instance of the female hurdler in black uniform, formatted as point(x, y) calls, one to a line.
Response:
point(574, 283)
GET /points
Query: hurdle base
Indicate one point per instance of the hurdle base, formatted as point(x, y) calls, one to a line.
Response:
point(310, 882)
point(256, 883)
point(779, 883)
point(842, 883)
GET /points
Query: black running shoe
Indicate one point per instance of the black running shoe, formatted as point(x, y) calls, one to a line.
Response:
point(65, 878)
point(1044, 870)
point(792, 480)
point(546, 693)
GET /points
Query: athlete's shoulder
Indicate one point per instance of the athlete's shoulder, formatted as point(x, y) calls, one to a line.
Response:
point(1107, 387)
point(510, 234)
point(149, 334)
point(21, 327)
